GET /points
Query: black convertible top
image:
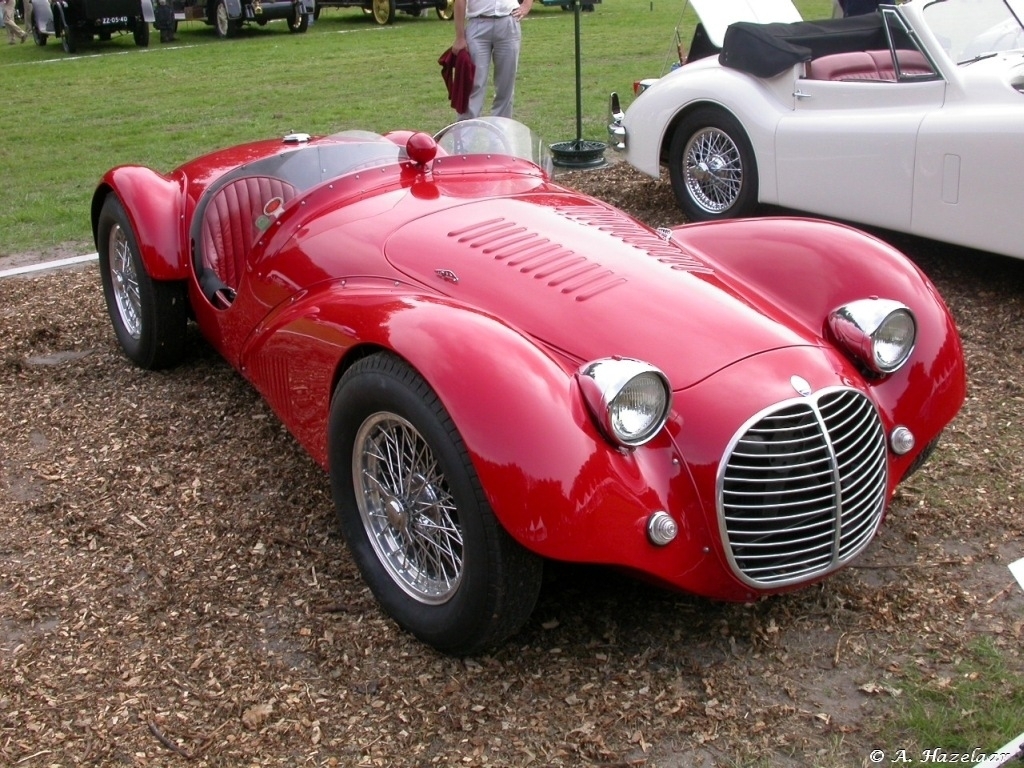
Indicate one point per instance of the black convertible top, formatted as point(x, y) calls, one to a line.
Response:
point(765, 50)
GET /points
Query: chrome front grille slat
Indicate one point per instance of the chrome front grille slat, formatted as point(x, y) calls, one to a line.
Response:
point(803, 488)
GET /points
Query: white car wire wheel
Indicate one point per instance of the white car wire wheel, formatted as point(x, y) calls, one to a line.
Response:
point(415, 516)
point(150, 317)
point(712, 167)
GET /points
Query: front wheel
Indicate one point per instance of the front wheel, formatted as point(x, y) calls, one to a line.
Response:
point(223, 24)
point(445, 9)
point(384, 11)
point(150, 317)
point(415, 516)
point(299, 19)
point(712, 167)
point(67, 39)
point(38, 36)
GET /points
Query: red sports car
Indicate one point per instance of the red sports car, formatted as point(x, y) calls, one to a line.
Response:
point(497, 370)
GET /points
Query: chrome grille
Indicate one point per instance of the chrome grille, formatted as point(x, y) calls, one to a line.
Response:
point(803, 489)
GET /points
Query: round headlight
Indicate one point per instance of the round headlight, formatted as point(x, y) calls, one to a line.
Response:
point(628, 399)
point(881, 333)
point(893, 341)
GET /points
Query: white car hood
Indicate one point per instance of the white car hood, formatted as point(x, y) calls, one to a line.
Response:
point(717, 15)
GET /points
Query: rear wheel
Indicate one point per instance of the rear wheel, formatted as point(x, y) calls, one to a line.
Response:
point(384, 11)
point(415, 516)
point(712, 167)
point(150, 317)
point(445, 9)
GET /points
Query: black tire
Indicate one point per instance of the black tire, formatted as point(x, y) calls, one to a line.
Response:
point(223, 24)
point(445, 9)
point(67, 38)
point(316, 12)
point(712, 166)
point(150, 317)
point(427, 543)
point(141, 33)
point(384, 11)
point(299, 20)
point(38, 36)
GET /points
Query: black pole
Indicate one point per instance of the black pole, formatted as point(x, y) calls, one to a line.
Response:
point(579, 82)
point(578, 153)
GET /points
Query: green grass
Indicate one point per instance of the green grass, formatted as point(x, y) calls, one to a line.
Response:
point(976, 705)
point(67, 119)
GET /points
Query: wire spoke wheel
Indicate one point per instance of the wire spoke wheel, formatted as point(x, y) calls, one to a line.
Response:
point(407, 508)
point(712, 166)
point(713, 170)
point(125, 281)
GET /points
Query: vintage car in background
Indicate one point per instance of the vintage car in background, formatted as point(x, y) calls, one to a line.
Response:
point(496, 370)
point(227, 17)
point(78, 21)
point(910, 119)
point(385, 11)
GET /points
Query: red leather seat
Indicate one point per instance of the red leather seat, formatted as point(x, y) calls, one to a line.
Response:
point(866, 65)
point(856, 65)
point(911, 63)
point(230, 223)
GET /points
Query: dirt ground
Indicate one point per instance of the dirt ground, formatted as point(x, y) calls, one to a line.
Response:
point(174, 589)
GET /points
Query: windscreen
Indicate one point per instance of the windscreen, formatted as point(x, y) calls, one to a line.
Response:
point(494, 136)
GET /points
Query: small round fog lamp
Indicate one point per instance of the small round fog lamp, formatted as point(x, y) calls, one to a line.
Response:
point(661, 528)
point(902, 441)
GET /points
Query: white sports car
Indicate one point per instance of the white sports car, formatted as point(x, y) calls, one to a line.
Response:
point(909, 119)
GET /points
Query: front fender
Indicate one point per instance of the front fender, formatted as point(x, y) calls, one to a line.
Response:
point(800, 270)
point(42, 17)
point(554, 483)
point(154, 204)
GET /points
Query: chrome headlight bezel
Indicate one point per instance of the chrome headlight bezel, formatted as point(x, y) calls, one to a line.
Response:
point(880, 333)
point(609, 386)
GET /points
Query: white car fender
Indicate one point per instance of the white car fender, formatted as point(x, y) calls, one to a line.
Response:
point(757, 104)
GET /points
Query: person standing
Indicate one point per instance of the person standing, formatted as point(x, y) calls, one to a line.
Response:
point(490, 31)
point(13, 30)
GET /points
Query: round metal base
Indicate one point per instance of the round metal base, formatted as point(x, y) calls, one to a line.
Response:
point(578, 154)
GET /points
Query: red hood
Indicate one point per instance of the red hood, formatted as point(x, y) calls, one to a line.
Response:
point(588, 280)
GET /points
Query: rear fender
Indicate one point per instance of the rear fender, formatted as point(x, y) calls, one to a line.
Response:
point(154, 204)
point(652, 117)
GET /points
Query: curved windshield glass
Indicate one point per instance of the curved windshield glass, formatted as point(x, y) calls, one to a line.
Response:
point(970, 30)
point(494, 136)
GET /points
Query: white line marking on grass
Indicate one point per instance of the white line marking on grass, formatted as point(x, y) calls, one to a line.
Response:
point(56, 264)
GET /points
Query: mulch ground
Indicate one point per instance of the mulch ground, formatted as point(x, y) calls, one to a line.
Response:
point(174, 589)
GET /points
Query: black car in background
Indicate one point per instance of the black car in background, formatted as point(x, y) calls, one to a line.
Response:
point(76, 21)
